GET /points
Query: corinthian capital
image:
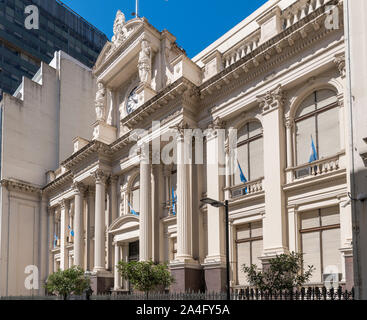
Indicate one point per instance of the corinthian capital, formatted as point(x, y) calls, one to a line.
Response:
point(100, 176)
point(180, 128)
point(340, 63)
point(79, 187)
point(272, 100)
point(217, 124)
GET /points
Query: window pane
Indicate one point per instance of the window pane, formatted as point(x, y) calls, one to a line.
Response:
point(328, 133)
point(310, 219)
point(307, 106)
point(331, 256)
point(243, 232)
point(136, 200)
point(257, 249)
point(242, 134)
point(311, 254)
point(255, 129)
point(256, 149)
point(325, 98)
point(256, 229)
point(330, 216)
point(242, 156)
point(304, 130)
point(243, 257)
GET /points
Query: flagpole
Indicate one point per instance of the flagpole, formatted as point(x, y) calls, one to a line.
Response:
point(137, 9)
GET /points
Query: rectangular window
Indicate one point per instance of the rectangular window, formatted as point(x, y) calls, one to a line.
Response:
point(249, 246)
point(320, 243)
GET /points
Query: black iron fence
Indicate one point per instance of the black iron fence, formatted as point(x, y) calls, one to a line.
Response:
point(318, 294)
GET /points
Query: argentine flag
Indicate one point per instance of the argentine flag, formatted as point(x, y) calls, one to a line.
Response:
point(174, 199)
point(132, 210)
point(242, 176)
point(71, 231)
point(314, 156)
point(55, 241)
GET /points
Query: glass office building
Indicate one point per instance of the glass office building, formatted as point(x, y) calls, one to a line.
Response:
point(60, 28)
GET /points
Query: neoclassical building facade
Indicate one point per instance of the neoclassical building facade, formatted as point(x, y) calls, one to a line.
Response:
point(278, 81)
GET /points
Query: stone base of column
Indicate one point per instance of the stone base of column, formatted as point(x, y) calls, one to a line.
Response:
point(215, 278)
point(187, 278)
point(102, 282)
point(349, 271)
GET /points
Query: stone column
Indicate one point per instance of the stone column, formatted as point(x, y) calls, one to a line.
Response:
point(275, 222)
point(90, 229)
point(51, 239)
point(64, 205)
point(215, 262)
point(157, 200)
point(117, 277)
point(125, 257)
point(289, 127)
point(145, 241)
point(293, 229)
point(99, 234)
point(43, 241)
point(184, 199)
point(113, 199)
point(79, 225)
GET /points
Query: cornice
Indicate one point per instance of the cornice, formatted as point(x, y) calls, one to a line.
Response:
point(23, 187)
point(84, 153)
point(66, 178)
point(268, 55)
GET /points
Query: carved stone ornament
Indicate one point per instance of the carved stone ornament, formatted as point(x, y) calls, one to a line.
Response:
point(217, 124)
point(100, 102)
point(340, 63)
point(119, 30)
point(100, 176)
point(145, 62)
point(180, 128)
point(79, 187)
point(273, 99)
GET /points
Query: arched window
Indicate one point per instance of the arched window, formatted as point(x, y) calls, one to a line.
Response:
point(250, 153)
point(135, 196)
point(317, 122)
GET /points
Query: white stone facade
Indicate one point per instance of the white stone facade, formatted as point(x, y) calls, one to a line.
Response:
point(278, 78)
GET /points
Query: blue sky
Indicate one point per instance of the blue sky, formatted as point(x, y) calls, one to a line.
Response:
point(195, 23)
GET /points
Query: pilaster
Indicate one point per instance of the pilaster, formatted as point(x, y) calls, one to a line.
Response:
point(275, 222)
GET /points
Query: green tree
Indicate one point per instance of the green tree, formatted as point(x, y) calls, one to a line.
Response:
point(285, 272)
point(66, 282)
point(146, 276)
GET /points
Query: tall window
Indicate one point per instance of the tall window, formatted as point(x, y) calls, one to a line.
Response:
point(135, 196)
point(320, 243)
point(250, 152)
point(317, 119)
point(249, 245)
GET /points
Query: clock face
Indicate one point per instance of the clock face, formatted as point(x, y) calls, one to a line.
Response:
point(132, 101)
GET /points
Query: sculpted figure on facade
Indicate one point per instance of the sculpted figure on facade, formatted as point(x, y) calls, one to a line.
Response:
point(145, 62)
point(119, 30)
point(100, 102)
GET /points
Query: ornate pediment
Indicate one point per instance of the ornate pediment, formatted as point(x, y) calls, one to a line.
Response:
point(122, 30)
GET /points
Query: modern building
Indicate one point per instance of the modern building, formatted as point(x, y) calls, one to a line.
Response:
point(22, 49)
point(266, 99)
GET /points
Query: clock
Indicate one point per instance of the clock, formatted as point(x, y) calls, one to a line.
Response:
point(132, 101)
